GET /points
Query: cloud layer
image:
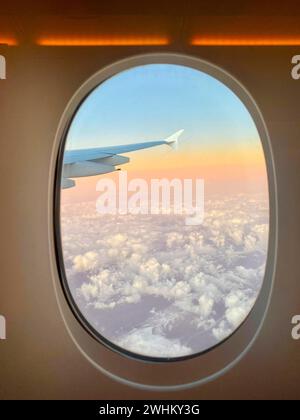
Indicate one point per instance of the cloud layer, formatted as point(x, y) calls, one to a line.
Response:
point(157, 287)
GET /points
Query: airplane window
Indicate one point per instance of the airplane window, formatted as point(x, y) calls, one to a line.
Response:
point(164, 212)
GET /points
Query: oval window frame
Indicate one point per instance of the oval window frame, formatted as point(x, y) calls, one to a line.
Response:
point(126, 367)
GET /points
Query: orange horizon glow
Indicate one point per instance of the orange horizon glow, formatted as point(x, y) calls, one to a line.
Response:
point(217, 175)
point(237, 40)
point(204, 157)
point(102, 41)
point(221, 167)
point(216, 180)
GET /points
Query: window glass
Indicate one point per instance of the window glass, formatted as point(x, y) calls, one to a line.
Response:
point(165, 257)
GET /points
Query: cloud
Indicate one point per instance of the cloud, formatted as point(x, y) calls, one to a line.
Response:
point(185, 286)
point(85, 262)
point(206, 304)
point(236, 315)
point(144, 341)
point(238, 305)
point(222, 331)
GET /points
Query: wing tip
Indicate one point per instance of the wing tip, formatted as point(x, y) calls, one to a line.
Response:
point(173, 139)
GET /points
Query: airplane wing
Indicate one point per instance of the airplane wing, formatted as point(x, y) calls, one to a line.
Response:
point(101, 160)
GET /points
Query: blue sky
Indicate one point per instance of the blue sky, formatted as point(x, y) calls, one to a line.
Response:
point(151, 102)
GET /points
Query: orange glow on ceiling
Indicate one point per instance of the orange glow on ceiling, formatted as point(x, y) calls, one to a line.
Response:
point(237, 40)
point(10, 41)
point(65, 41)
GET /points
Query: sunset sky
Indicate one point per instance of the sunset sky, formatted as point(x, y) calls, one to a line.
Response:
point(151, 283)
point(220, 142)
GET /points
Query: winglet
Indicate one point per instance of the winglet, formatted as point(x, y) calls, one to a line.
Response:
point(173, 139)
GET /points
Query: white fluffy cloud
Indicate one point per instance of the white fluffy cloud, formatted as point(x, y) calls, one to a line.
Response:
point(144, 341)
point(85, 262)
point(206, 304)
point(184, 288)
